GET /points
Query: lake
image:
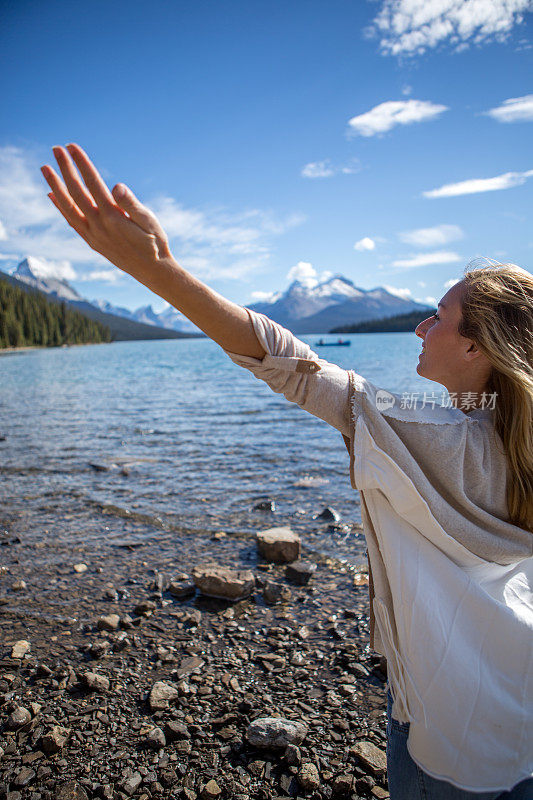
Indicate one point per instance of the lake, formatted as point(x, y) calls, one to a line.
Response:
point(172, 435)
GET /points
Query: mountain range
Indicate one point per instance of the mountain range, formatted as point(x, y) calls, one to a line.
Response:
point(303, 308)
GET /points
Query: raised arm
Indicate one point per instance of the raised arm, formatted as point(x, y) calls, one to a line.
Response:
point(119, 227)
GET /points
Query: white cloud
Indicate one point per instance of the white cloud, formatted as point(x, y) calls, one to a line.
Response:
point(406, 294)
point(366, 243)
point(432, 237)
point(427, 259)
point(214, 243)
point(304, 272)
point(325, 169)
point(410, 27)
point(318, 169)
point(422, 284)
point(448, 284)
point(407, 90)
point(259, 295)
point(112, 275)
point(3, 232)
point(431, 301)
point(516, 109)
point(506, 181)
point(385, 116)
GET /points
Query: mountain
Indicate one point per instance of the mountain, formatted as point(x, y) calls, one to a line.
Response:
point(170, 318)
point(31, 275)
point(336, 301)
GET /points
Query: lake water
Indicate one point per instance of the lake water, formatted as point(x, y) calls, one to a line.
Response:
point(180, 439)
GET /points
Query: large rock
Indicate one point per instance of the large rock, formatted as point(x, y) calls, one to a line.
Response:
point(161, 694)
point(18, 718)
point(276, 593)
point(371, 757)
point(308, 776)
point(53, 741)
point(300, 572)
point(20, 649)
point(280, 545)
point(95, 682)
point(228, 584)
point(275, 732)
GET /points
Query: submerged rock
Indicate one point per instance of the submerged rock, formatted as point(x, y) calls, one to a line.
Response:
point(280, 545)
point(221, 582)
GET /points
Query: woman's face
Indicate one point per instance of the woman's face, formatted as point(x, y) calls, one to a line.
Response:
point(443, 351)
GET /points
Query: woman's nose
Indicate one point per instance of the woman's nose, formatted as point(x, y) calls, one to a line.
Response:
point(420, 329)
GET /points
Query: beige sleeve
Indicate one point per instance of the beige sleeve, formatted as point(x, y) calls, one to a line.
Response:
point(291, 368)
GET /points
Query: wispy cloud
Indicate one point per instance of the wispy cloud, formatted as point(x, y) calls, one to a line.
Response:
point(326, 169)
point(388, 115)
point(432, 237)
point(448, 284)
point(366, 243)
point(515, 109)
point(214, 243)
point(427, 259)
point(506, 181)
point(410, 27)
point(406, 294)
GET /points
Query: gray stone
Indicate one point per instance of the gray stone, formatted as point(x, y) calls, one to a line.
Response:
point(19, 717)
point(228, 584)
point(371, 757)
point(155, 739)
point(54, 740)
point(275, 732)
point(280, 545)
point(211, 791)
point(329, 515)
point(308, 776)
point(20, 648)
point(131, 784)
point(24, 776)
point(145, 608)
point(95, 682)
point(181, 589)
point(160, 695)
point(276, 593)
point(300, 572)
point(71, 791)
point(108, 623)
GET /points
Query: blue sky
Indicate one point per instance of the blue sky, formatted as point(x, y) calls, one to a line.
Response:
point(388, 141)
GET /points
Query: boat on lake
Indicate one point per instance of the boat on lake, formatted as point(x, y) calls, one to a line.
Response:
point(338, 343)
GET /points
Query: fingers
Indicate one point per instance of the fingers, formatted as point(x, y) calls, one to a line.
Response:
point(91, 176)
point(63, 201)
point(79, 193)
point(138, 213)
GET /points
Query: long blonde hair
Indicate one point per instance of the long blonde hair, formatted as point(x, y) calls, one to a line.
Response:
point(497, 313)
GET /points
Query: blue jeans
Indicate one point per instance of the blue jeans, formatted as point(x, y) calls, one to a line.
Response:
point(408, 782)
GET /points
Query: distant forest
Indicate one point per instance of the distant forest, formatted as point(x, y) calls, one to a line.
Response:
point(400, 323)
point(28, 318)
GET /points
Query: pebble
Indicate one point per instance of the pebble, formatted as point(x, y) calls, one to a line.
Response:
point(370, 757)
point(130, 785)
point(329, 515)
point(160, 695)
point(221, 582)
point(19, 717)
point(275, 732)
point(110, 622)
point(181, 589)
point(308, 776)
point(280, 545)
point(155, 739)
point(19, 586)
point(211, 791)
point(95, 682)
point(53, 741)
point(300, 572)
point(71, 791)
point(80, 568)
point(20, 648)
point(276, 593)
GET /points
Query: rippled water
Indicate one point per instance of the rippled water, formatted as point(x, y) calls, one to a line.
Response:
point(172, 435)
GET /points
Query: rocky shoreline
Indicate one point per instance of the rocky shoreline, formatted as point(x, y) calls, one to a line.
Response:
point(116, 683)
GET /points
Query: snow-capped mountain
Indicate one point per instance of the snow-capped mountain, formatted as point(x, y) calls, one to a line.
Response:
point(35, 273)
point(336, 301)
point(169, 318)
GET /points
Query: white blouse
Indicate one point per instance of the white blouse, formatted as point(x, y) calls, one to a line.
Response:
point(453, 600)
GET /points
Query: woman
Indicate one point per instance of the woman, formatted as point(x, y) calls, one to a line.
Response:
point(446, 495)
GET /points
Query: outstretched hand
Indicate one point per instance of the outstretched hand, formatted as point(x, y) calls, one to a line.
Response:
point(114, 224)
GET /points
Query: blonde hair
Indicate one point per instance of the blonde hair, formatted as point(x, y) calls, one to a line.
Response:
point(497, 313)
